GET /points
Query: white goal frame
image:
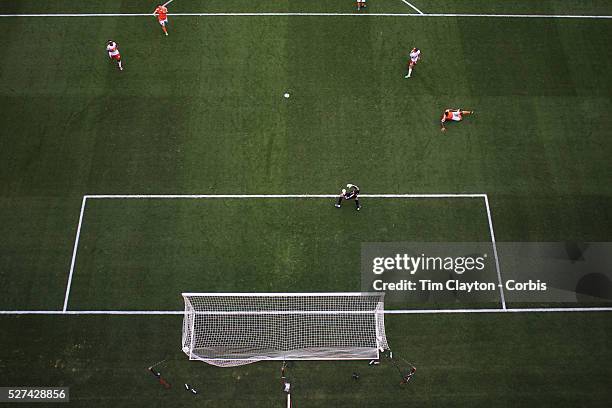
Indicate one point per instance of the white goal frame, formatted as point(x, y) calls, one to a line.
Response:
point(231, 329)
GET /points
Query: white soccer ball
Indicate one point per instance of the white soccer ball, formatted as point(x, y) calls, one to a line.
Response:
point(286, 95)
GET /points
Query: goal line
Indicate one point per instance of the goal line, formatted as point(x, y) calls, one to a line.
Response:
point(387, 312)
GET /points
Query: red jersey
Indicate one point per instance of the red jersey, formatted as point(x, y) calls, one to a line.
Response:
point(455, 115)
point(161, 12)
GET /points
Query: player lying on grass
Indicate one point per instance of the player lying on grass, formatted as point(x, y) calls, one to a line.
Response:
point(455, 115)
point(361, 4)
point(408, 376)
point(113, 53)
point(415, 56)
point(162, 17)
point(159, 377)
point(351, 194)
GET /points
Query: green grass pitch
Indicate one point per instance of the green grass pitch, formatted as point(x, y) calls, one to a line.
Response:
point(202, 112)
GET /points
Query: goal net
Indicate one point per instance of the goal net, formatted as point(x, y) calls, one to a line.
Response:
point(240, 328)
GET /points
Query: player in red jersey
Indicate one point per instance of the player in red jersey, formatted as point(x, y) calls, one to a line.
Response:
point(113, 53)
point(162, 17)
point(455, 115)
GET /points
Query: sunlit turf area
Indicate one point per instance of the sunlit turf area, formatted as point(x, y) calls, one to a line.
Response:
point(202, 112)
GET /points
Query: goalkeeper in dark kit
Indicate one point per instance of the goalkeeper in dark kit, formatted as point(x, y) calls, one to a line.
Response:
point(351, 192)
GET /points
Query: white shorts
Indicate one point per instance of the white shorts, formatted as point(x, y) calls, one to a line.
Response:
point(163, 22)
point(456, 116)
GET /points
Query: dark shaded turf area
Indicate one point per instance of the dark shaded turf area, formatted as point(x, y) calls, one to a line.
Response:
point(473, 360)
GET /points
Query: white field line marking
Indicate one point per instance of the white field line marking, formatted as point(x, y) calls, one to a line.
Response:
point(414, 8)
point(93, 312)
point(249, 196)
point(499, 278)
point(168, 2)
point(517, 310)
point(596, 17)
point(74, 253)
point(561, 16)
point(389, 312)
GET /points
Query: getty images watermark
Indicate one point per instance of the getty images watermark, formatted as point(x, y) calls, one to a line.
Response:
point(458, 265)
point(468, 272)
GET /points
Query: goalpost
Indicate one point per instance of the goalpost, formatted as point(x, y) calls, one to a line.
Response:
point(232, 329)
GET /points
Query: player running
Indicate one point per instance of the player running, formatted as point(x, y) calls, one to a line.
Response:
point(456, 115)
point(415, 56)
point(113, 53)
point(162, 16)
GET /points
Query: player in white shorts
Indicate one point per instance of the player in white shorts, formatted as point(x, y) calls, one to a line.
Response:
point(455, 115)
point(415, 56)
point(161, 12)
point(361, 4)
point(113, 53)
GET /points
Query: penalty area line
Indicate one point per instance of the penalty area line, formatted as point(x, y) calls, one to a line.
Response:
point(414, 8)
point(494, 243)
point(442, 15)
point(74, 253)
point(252, 196)
point(387, 312)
